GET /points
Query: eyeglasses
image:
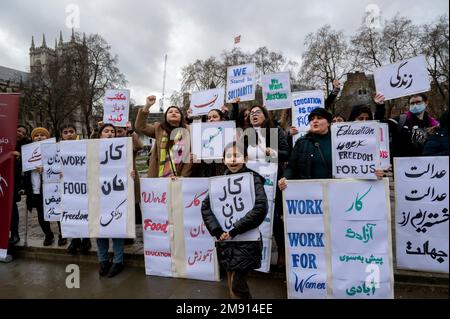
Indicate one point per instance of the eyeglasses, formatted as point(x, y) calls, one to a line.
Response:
point(253, 113)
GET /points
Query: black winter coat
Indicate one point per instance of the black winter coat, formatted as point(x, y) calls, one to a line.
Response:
point(239, 255)
point(437, 143)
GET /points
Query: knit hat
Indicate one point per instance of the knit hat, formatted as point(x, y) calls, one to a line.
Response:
point(40, 130)
point(321, 112)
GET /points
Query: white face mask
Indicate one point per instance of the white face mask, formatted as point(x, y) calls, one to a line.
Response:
point(417, 108)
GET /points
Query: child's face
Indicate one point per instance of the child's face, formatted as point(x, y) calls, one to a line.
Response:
point(39, 137)
point(69, 134)
point(234, 160)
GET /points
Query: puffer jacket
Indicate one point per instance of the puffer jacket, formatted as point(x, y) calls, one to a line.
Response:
point(239, 255)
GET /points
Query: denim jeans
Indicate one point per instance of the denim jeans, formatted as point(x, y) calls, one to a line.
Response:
point(103, 247)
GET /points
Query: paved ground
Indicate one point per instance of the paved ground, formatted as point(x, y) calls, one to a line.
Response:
point(30, 278)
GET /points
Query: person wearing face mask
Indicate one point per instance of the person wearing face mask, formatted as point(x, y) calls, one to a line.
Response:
point(410, 130)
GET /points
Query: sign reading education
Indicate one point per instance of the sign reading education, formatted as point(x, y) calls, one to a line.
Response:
point(241, 82)
point(116, 107)
point(303, 103)
point(403, 78)
point(422, 213)
point(204, 101)
point(276, 90)
point(355, 149)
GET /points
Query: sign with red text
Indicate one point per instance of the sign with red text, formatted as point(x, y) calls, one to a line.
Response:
point(204, 101)
point(155, 226)
point(385, 153)
point(355, 149)
point(32, 156)
point(116, 107)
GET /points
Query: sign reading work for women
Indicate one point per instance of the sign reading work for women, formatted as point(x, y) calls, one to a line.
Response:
point(355, 149)
point(303, 103)
point(204, 101)
point(116, 107)
point(403, 78)
point(241, 82)
point(276, 90)
point(338, 239)
point(210, 139)
point(232, 197)
point(32, 156)
point(422, 213)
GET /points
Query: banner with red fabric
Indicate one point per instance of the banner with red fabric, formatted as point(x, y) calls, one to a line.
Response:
point(9, 107)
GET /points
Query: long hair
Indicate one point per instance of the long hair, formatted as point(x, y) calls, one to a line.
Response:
point(357, 110)
point(169, 128)
point(268, 122)
point(105, 126)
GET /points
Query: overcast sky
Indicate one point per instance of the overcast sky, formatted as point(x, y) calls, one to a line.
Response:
point(141, 32)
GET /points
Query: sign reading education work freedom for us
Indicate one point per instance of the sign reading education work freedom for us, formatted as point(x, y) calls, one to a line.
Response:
point(204, 101)
point(276, 89)
point(232, 196)
point(338, 239)
point(116, 107)
point(303, 103)
point(210, 139)
point(422, 213)
point(403, 78)
point(241, 82)
point(355, 149)
point(32, 156)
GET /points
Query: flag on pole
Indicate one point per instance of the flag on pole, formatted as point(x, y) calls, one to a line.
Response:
point(237, 39)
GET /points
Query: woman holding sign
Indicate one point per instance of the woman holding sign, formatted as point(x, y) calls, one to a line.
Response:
point(311, 157)
point(170, 157)
point(264, 151)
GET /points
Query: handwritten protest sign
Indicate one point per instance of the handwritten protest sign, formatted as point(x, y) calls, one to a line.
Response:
point(422, 213)
point(75, 200)
point(385, 153)
point(276, 90)
point(403, 78)
point(114, 186)
point(269, 172)
point(155, 217)
point(210, 139)
point(51, 180)
point(200, 253)
point(303, 103)
point(176, 241)
point(355, 149)
point(233, 196)
point(204, 101)
point(116, 107)
point(31, 154)
point(338, 239)
point(241, 82)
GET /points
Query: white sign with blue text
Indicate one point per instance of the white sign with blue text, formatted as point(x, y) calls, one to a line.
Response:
point(241, 82)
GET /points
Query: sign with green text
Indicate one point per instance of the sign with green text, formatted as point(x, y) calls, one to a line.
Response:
point(276, 90)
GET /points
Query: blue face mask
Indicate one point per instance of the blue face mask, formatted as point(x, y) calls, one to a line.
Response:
point(417, 108)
